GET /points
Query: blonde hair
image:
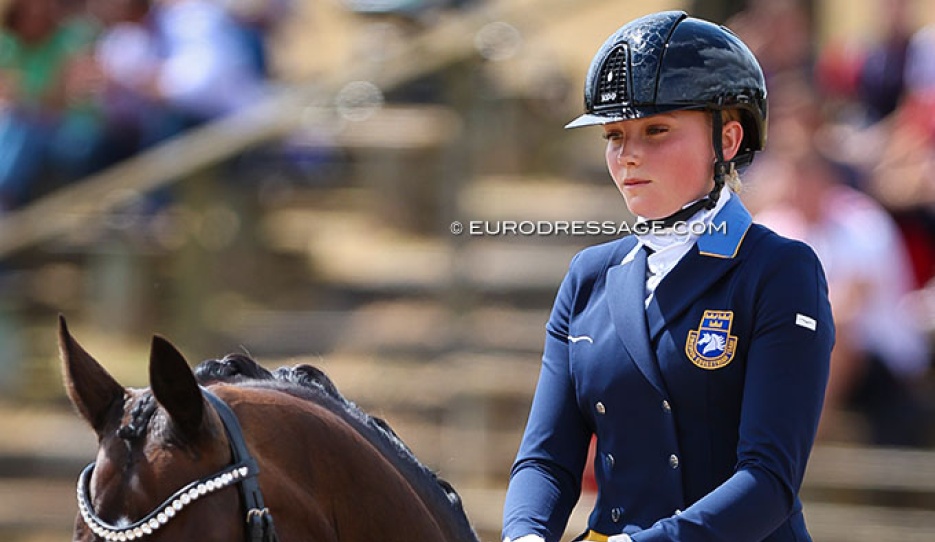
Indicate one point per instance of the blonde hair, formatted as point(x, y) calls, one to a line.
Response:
point(733, 180)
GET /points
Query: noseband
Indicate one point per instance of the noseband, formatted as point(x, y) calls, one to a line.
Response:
point(242, 472)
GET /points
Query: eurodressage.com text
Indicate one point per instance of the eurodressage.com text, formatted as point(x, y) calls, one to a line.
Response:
point(494, 228)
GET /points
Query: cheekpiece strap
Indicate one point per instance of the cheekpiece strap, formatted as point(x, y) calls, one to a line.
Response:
point(259, 521)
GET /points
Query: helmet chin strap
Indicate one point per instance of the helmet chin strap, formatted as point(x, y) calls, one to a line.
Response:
point(722, 169)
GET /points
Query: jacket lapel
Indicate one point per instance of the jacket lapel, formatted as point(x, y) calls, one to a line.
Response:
point(713, 255)
point(626, 291)
point(682, 286)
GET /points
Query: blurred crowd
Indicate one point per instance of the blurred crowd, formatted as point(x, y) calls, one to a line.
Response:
point(87, 83)
point(850, 169)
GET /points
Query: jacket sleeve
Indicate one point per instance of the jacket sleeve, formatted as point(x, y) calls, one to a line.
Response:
point(545, 481)
point(786, 374)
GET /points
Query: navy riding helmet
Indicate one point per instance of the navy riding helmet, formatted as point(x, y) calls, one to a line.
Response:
point(669, 61)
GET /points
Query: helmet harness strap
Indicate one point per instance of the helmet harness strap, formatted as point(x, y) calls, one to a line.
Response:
point(722, 168)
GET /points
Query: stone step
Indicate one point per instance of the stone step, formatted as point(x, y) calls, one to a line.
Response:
point(439, 387)
point(527, 198)
point(46, 441)
point(414, 329)
point(350, 250)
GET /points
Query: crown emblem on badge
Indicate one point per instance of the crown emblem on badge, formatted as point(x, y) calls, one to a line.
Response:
point(711, 346)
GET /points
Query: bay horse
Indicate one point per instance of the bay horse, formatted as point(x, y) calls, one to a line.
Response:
point(232, 451)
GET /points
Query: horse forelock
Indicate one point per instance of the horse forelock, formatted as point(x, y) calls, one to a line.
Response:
point(136, 422)
point(145, 427)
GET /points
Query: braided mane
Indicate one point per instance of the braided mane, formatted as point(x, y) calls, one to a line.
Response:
point(310, 383)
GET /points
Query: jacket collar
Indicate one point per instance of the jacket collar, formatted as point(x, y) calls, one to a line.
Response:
point(714, 254)
point(726, 231)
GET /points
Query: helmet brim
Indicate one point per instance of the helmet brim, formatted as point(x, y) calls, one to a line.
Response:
point(593, 120)
point(630, 113)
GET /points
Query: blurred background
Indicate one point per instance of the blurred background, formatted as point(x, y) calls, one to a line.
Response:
point(281, 177)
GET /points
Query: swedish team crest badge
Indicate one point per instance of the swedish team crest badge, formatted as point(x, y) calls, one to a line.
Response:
point(711, 346)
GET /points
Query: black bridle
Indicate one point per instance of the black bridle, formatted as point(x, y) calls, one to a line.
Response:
point(243, 472)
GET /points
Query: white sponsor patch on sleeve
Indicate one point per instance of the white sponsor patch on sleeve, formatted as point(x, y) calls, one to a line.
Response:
point(806, 322)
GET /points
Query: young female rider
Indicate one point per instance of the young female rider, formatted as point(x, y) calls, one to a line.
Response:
point(696, 351)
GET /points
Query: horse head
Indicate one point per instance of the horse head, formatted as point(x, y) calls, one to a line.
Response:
point(152, 442)
point(172, 457)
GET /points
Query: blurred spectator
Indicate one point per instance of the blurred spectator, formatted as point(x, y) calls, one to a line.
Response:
point(880, 352)
point(920, 72)
point(170, 65)
point(50, 129)
point(203, 67)
point(881, 78)
point(902, 178)
point(899, 156)
point(258, 19)
point(126, 52)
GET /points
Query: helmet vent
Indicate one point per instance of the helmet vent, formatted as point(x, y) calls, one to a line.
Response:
point(612, 81)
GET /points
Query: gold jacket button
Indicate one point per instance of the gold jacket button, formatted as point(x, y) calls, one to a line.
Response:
point(599, 407)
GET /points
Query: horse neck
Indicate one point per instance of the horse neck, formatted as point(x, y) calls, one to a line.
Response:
point(331, 465)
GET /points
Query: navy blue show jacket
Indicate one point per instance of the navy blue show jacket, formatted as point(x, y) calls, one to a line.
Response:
point(705, 404)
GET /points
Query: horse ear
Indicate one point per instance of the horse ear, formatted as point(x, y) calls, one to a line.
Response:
point(175, 388)
point(89, 386)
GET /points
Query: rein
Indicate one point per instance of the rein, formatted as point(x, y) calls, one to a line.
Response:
point(242, 472)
